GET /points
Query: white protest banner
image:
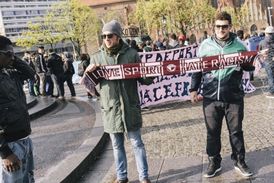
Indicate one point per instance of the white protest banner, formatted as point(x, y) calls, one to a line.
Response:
point(166, 88)
point(170, 88)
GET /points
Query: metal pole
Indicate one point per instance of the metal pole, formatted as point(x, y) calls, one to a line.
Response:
point(270, 15)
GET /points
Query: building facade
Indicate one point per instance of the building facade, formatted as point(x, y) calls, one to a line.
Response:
point(15, 15)
point(112, 9)
point(260, 12)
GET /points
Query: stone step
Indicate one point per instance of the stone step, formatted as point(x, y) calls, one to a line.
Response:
point(40, 106)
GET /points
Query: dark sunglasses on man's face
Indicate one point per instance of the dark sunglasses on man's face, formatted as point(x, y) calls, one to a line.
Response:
point(7, 53)
point(222, 26)
point(109, 36)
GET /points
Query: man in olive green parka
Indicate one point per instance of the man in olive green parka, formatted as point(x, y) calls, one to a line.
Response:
point(120, 104)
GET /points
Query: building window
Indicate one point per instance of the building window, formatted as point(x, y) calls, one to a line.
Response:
point(19, 6)
point(7, 13)
point(29, 6)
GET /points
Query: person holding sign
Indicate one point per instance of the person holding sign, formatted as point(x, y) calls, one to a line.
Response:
point(223, 96)
point(120, 103)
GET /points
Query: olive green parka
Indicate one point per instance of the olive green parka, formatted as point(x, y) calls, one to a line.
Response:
point(119, 99)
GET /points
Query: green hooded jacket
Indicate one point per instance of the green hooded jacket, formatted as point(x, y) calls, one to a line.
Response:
point(119, 99)
point(223, 84)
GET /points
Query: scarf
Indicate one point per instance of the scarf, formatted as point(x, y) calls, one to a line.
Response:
point(154, 69)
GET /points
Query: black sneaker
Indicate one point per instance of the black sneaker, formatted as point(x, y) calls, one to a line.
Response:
point(242, 168)
point(121, 181)
point(212, 169)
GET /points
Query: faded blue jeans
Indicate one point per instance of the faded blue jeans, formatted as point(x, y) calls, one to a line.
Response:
point(23, 150)
point(120, 158)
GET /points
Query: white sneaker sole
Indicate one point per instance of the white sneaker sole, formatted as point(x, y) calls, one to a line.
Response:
point(244, 174)
point(218, 170)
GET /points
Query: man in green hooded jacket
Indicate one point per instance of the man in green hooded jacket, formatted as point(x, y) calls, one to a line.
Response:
point(120, 104)
point(223, 96)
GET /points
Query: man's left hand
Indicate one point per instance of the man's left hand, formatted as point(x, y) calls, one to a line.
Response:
point(11, 163)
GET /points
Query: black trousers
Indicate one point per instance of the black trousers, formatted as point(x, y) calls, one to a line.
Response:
point(68, 79)
point(214, 112)
point(58, 80)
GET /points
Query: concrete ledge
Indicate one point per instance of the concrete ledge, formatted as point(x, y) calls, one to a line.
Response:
point(75, 165)
point(31, 101)
point(43, 106)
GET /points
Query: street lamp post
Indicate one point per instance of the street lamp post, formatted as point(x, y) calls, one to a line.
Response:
point(269, 15)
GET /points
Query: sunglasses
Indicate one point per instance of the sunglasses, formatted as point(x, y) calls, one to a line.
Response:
point(222, 26)
point(7, 53)
point(109, 36)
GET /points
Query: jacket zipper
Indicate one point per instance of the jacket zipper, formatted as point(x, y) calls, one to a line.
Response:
point(219, 76)
point(219, 80)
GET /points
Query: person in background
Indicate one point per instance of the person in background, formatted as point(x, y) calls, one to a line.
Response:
point(85, 61)
point(120, 103)
point(41, 69)
point(16, 150)
point(68, 71)
point(182, 39)
point(204, 37)
point(173, 43)
point(240, 35)
point(55, 67)
point(148, 47)
point(128, 41)
point(134, 45)
point(223, 96)
point(49, 81)
point(266, 47)
point(29, 61)
point(36, 77)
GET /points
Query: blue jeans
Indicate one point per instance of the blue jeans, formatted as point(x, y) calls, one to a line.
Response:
point(23, 150)
point(120, 158)
point(269, 68)
point(31, 87)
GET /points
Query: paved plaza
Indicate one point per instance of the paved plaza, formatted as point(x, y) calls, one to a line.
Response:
point(175, 139)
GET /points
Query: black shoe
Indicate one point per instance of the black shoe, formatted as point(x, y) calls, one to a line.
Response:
point(242, 168)
point(121, 181)
point(214, 167)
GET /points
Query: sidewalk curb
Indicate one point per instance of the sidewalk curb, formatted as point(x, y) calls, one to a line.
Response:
point(81, 168)
point(76, 174)
point(48, 106)
point(31, 102)
point(76, 164)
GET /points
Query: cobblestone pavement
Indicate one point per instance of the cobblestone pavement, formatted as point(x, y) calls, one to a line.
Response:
point(175, 140)
point(179, 129)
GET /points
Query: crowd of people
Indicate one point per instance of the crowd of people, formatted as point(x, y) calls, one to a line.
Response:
point(52, 70)
point(170, 42)
point(223, 95)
